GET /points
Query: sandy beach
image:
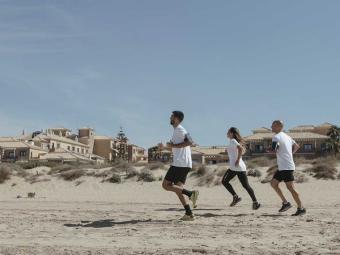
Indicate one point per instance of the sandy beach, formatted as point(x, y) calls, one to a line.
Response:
point(87, 216)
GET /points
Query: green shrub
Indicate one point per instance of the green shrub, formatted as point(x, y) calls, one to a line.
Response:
point(146, 175)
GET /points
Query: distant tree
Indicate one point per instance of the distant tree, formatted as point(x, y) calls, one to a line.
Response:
point(334, 139)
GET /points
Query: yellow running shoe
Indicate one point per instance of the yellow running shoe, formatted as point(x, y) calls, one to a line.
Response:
point(194, 198)
point(187, 217)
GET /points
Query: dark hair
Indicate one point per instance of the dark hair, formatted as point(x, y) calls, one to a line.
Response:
point(179, 115)
point(236, 135)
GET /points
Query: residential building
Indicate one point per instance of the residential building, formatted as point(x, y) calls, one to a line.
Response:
point(136, 153)
point(209, 154)
point(12, 150)
point(104, 147)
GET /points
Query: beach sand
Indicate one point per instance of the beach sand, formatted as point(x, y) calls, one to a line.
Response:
point(90, 217)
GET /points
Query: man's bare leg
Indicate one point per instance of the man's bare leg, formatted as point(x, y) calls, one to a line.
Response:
point(295, 194)
point(275, 184)
point(180, 195)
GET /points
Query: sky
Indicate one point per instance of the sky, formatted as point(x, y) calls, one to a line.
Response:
point(107, 64)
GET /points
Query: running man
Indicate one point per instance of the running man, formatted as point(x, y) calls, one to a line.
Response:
point(235, 150)
point(285, 147)
point(176, 176)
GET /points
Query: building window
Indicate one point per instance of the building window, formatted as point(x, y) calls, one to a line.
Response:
point(69, 148)
point(73, 148)
point(307, 147)
point(22, 153)
point(82, 151)
point(259, 148)
point(87, 151)
point(58, 145)
point(77, 149)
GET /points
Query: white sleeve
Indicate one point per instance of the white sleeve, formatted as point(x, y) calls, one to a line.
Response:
point(275, 139)
point(234, 142)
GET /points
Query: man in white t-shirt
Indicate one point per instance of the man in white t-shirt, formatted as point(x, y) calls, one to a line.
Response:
point(176, 176)
point(284, 147)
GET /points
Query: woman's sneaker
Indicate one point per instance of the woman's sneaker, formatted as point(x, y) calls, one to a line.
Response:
point(236, 200)
point(194, 198)
point(256, 205)
point(187, 217)
point(285, 207)
point(299, 212)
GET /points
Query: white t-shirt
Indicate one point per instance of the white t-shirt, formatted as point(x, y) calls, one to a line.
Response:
point(233, 154)
point(284, 152)
point(181, 156)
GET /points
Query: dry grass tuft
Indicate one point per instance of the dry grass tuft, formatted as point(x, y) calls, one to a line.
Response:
point(141, 163)
point(131, 172)
point(260, 162)
point(254, 173)
point(300, 177)
point(270, 173)
point(5, 173)
point(60, 168)
point(156, 166)
point(146, 175)
point(322, 171)
point(221, 170)
point(115, 178)
point(199, 171)
point(71, 175)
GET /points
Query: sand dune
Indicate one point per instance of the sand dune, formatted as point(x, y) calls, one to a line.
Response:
point(86, 216)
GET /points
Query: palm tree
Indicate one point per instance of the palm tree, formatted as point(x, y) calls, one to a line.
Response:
point(334, 139)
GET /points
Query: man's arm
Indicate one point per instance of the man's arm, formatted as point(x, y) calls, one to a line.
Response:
point(181, 145)
point(187, 142)
point(296, 147)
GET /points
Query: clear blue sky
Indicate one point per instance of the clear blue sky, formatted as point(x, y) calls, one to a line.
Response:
point(224, 63)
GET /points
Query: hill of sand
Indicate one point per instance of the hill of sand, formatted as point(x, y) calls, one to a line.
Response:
point(86, 216)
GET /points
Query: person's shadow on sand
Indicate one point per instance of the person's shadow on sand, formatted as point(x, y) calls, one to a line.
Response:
point(110, 223)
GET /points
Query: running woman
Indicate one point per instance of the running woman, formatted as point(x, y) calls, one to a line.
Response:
point(284, 147)
point(235, 150)
point(176, 176)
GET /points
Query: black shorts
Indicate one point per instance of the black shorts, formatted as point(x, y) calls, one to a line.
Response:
point(284, 175)
point(177, 174)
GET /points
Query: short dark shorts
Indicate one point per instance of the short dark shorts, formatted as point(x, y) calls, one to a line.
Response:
point(284, 175)
point(177, 174)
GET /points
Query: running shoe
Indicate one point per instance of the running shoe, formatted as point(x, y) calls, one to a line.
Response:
point(256, 205)
point(236, 200)
point(187, 217)
point(194, 198)
point(285, 207)
point(300, 212)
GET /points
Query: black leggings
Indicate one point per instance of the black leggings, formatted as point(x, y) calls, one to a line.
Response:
point(242, 176)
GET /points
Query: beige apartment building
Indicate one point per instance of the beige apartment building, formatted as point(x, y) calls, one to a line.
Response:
point(136, 153)
point(12, 150)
